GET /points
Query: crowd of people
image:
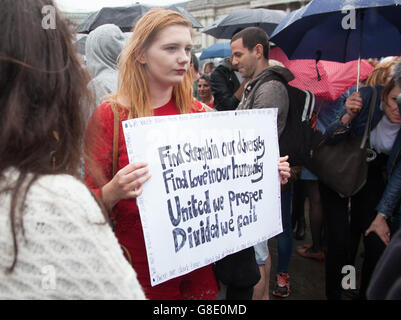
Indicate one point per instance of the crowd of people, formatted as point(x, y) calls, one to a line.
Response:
point(69, 234)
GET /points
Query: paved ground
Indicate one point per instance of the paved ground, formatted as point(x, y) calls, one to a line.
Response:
point(307, 275)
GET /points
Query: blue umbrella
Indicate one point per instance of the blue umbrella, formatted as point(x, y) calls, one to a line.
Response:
point(217, 50)
point(341, 30)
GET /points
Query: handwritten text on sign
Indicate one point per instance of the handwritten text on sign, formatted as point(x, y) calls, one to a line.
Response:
point(214, 189)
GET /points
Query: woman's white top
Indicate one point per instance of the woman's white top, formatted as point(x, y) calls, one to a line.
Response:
point(384, 134)
point(67, 251)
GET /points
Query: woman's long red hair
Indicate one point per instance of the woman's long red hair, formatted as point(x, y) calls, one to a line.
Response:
point(133, 83)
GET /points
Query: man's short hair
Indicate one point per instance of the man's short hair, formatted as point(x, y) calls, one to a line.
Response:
point(397, 73)
point(252, 36)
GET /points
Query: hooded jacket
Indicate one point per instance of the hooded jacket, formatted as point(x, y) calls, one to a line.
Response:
point(103, 47)
point(271, 94)
point(224, 83)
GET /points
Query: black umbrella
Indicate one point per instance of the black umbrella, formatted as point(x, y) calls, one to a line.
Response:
point(186, 13)
point(125, 17)
point(225, 27)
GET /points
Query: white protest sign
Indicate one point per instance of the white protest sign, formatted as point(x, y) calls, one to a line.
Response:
point(215, 186)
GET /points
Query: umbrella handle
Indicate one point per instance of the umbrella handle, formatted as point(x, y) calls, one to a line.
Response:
point(359, 73)
point(357, 81)
point(362, 16)
point(318, 56)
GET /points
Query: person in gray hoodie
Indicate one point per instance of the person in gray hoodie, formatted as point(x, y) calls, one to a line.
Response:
point(103, 47)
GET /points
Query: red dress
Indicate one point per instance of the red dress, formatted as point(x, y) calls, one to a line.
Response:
point(199, 284)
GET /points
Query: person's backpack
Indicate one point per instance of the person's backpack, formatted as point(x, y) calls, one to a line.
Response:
point(299, 138)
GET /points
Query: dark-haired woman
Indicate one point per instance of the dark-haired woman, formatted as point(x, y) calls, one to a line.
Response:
point(55, 241)
point(204, 90)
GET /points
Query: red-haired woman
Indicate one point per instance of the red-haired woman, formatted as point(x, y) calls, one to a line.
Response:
point(154, 80)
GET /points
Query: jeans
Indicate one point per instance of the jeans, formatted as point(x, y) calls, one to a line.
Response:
point(285, 239)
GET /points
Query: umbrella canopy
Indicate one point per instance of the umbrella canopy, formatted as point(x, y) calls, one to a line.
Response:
point(331, 79)
point(225, 27)
point(186, 13)
point(321, 30)
point(217, 50)
point(341, 30)
point(125, 17)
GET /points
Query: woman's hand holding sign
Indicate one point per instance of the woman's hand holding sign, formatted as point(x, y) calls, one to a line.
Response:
point(284, 170)
point(126, 184)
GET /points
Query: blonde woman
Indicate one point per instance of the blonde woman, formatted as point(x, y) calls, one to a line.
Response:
point(382, 73)
point(208, 68)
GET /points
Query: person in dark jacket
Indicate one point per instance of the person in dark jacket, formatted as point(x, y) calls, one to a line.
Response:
point(226, 86)
point(389, 206)
point(194, 67)
point(384, 137)
point(386, 279)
